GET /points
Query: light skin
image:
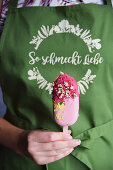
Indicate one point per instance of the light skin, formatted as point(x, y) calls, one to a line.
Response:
point(41, 146)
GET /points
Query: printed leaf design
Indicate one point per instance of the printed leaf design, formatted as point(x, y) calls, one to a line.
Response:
point(84, 83)
point(85, 33)
point(42, 36)
point(51, 30)
point(64, 27)
point(41, 81)
point(34, 40)
point(47, 28)
point(44, 30)
point(78, 30)
point(81, 88)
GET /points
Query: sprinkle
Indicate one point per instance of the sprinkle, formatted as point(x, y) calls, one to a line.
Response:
point(74, 95)
point(60, 85)
point(61, 72)
point(57, 116)
point(61, 103)
point(59, 91)
point(71, 87)
point(66, 83)
point(61, 96)
point(62, 90)
point(61, 118)
point(66, 93)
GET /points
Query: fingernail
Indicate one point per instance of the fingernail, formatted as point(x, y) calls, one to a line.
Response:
point(77, 142)
point(68, 137)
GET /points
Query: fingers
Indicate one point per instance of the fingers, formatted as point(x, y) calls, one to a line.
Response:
point(52, 152)
point(68, 132)
point(46, 146)
point(46, 160)
point(48, 136)
point(37, 147)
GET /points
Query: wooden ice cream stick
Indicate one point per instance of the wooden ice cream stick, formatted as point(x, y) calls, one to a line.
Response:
point(65, 129)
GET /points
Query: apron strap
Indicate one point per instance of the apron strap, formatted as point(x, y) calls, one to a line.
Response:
point(14, 3)
point(109, 2)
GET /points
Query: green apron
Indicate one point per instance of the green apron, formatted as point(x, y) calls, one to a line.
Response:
point(36, 44)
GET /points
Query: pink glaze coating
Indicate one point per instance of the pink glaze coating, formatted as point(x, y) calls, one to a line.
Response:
point(64, 87)
point(70, 114)
point(65, 100)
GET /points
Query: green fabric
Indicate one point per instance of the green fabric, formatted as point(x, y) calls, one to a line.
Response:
point(82, 37)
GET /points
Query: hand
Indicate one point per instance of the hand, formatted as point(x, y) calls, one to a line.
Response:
point(47, 146)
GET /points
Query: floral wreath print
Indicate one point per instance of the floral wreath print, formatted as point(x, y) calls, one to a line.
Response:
point(64, 27)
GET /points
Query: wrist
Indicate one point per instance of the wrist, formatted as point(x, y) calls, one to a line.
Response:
point(22, 144)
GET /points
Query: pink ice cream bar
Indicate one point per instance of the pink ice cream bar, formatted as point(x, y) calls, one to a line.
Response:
point(65, 100)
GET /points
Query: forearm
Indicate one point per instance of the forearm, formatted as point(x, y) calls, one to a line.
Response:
point(9, 135)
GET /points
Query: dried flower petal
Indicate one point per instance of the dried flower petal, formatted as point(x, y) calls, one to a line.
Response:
point(61, 72)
